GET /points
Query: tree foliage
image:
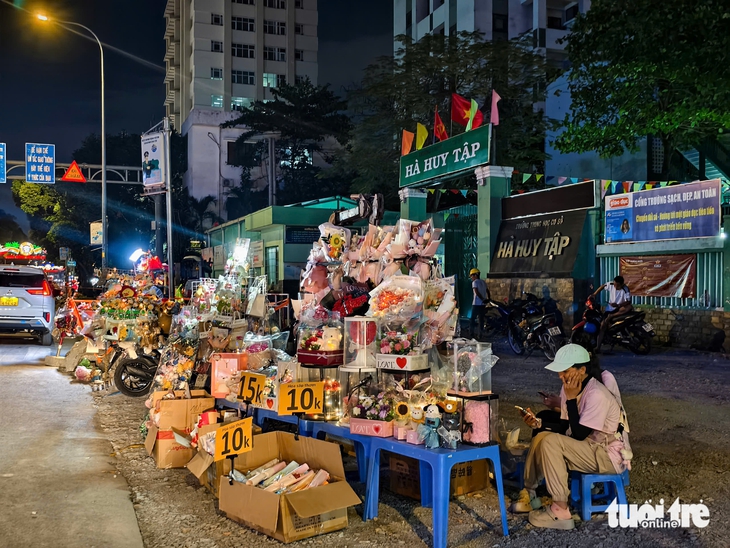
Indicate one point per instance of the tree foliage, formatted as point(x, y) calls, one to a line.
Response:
point(647, 67)
point(399, 91)
point(308, 121)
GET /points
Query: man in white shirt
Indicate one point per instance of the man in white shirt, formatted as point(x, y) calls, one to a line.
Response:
point(619, 302)
point(479, 301)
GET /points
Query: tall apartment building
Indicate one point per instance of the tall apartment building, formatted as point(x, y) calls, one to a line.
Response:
point(221, 56)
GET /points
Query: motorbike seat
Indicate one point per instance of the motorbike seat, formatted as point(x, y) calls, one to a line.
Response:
point(632, 315)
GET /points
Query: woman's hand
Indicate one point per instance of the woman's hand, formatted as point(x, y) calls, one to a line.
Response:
point(571, 384)
point(531, 420)
point(551, 401)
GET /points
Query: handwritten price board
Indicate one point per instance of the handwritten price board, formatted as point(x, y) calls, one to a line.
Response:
point(301, 397)
point(252, 387)
point(233, 439)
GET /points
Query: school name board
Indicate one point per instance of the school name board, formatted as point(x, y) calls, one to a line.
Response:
point(447, 158)
point(538, 245)
point(682, 211)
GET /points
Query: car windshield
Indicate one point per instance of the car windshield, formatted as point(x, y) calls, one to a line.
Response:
point(21, 279)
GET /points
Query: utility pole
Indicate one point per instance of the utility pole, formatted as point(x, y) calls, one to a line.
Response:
point(168, 182)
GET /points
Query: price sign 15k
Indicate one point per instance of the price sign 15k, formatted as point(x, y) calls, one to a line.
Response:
point(301, 397)
point(233, 439)
point(252, 386)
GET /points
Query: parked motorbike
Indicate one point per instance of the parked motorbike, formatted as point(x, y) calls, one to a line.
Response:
point(530, 327)
point(629, 330)
point(134, 369)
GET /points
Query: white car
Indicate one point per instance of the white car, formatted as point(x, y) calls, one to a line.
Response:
point(27, 303)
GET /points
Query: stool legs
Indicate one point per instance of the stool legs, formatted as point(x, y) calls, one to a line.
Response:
point(362, 461)
point(426, 474)
point(440, 498)
point(497, 465)
point(372, 493)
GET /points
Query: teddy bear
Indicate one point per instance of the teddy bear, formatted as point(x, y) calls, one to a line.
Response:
point(331, 338)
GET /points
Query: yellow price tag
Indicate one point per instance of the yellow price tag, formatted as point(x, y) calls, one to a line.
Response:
point(252, 387)
point(233, 439)
point(301, 397)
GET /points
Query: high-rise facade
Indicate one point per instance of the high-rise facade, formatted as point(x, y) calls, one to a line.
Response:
point(221, 56)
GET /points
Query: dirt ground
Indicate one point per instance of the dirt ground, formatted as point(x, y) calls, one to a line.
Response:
point(680, 433)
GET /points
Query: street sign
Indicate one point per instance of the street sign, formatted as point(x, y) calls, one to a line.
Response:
point(62, 253)
point(3, 173)
point(71, 263)
point(73, 174)
point(40, 163)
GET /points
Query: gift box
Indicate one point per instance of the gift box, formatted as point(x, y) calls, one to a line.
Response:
point(472, 367)
point(321, 345)
point(366, 427)
point(412, 362)
point(223, 367)
point(360, 342)
point(412, 437)
point(325, 358)
point(401, 432)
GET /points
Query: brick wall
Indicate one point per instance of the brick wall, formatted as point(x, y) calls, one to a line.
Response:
point(684, 328)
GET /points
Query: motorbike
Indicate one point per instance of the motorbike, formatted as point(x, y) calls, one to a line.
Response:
point(134, 369)
point(629, 330)
point(535, 324)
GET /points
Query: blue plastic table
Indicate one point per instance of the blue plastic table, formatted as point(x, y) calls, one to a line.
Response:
point(440, 462)
point(361, 443)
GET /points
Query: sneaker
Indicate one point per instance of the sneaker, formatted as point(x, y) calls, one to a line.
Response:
point(547, 520)
point(524, 503)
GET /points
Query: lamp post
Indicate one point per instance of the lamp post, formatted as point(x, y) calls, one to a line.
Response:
point(104, 243)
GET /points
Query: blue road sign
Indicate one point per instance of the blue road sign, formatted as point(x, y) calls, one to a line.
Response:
point(40, 163)
point(3, 173)
point(71, 263)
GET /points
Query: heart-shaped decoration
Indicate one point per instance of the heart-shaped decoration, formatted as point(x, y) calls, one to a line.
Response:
point(401, 362)
point(269, 403)
point(377, 428)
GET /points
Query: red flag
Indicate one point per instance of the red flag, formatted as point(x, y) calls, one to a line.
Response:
point(494, 118)
point(461, 111)
point(406, 142)
point(439, 130)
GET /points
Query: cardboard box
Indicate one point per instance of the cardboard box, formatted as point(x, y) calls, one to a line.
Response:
point(206, 469)
point(414, 362)
point(180, 414)
point(467, 477)
point(366, 427)
point(294, 516)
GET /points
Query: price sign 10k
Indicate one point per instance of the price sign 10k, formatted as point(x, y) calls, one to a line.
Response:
point(301, 397)
point(233, 439)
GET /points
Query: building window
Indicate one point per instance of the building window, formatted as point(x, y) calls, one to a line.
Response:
point(216, 19)
point(216, 73)
point(299, 79)
point(242, 50)
point(243, 23)
point(216, 46)
point(298, 28)
point(239, 103)
point(272, 80)
point(299, 4)
point(216, 101)
point(275, 27)
point(272, 264)
point(243, 77)
point(247, 2)
point(276, 4)
point(274, 54)
point(299, 55)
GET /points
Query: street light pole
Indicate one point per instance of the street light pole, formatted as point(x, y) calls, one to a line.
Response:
point(104, 243)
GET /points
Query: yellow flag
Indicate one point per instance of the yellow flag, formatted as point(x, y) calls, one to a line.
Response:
point(421, 136)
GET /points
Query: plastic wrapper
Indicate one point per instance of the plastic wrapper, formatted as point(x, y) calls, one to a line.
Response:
point(472, 367)
point(397, 298)
point(320, 339)
point(179, 354)
point(335, 241)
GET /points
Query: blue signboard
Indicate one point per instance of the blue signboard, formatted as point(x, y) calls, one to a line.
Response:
point(40, 163)
point(669, 213)
point(3, 173)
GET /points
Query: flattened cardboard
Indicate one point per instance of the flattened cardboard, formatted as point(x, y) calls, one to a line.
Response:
point(297, 515)
point(149, 441)
point(199, 464)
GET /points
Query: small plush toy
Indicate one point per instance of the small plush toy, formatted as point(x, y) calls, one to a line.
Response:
point(331, 338)
point(450, 429)
point(476, 423)
point(417, 418)
point(427, 432)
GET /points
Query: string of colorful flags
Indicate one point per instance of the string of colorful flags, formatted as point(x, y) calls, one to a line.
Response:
point(464, 112)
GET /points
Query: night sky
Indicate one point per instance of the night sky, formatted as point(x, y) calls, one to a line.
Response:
point(49, 77)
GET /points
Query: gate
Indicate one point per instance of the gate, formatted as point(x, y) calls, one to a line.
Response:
point(460, 254)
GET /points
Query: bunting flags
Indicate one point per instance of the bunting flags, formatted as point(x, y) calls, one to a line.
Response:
point(421, 135)
point(494, 116)
point(439, 130)
point(561, 180)
point(406, 142)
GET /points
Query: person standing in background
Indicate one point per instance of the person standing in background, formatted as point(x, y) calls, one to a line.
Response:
point(479, 301)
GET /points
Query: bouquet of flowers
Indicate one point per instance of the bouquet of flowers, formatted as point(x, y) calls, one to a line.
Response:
point(401, 343)
point(377, 408)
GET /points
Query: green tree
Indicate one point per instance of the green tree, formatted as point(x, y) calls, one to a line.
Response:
point(308, 122)
point(399, 91)
point(645, 67)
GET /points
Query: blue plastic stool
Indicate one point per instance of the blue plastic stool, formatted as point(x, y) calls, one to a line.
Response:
point(440, 462)
point(361, 443)
point(580, 491)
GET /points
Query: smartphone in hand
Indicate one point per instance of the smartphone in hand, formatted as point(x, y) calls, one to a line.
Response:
point(523, 412)
point(543, 394)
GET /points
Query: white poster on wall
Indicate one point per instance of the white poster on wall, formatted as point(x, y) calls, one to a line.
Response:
point(153, 159)
point(96, 233)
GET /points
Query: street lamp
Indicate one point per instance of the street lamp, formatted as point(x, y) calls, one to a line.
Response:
point(104, 243)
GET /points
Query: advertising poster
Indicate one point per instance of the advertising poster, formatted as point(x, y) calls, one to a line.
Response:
point(661, 275)
point(96, 237)
point(153, 159)
point(682, 211)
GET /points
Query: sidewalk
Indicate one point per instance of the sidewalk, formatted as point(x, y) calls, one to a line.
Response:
point(58, 483)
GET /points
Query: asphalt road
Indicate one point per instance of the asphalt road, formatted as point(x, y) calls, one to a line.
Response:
point(59, 486)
